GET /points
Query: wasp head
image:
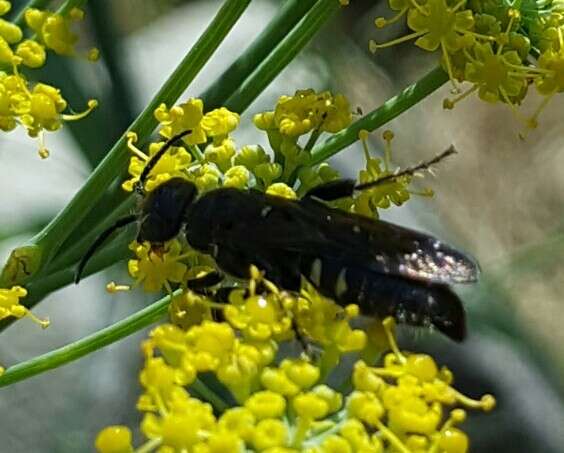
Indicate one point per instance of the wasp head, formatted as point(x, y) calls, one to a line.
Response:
point(163, 210)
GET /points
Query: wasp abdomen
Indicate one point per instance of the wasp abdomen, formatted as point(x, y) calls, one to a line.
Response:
point(409, 301)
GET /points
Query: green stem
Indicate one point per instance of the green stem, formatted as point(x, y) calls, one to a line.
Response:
point(386, 112)
point(48, 241)
point(283, 54)
point(77, 248)
point(209, 395)
point(227, 83)
point(86, 345)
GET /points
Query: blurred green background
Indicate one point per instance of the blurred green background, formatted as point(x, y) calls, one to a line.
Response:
point(500, 199)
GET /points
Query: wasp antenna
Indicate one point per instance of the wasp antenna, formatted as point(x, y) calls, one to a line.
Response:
point(120, 223)
point(410, 171)
point(160, 153)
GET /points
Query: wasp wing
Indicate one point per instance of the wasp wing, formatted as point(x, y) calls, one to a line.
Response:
point(272, 225)
point(385, 269)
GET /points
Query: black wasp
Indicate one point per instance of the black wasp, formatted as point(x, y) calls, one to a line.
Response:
point(384, 268)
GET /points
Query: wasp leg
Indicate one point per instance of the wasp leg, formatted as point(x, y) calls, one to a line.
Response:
point(333, 190)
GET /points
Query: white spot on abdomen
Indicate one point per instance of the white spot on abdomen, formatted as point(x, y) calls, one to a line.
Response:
point(341, 284)
point(315, 274)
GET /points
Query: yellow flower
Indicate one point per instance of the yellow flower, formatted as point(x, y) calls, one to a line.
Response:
point(251, 156)
point(187, 422)
point(237, 176)
point(174, 163)
point(10, 305)
point(268, 172)
point(206, 177)
point(327, 323)
point(221, 153)
point(53, 29)
point(189, 309)
point(209, 345)
point(260, 317)
point(45, 107)
point(281, 189)
point(39, 108)
point(307, 110)
point(552, 63)
point(114, 439)
point(157, 268)
point(495, 73)
point(180, 118)
point(366, 407)
point(10, 32)
point(310, 406)
point(5, 7)
point(266, 404)
point(6, 53)
point(32, 53)
point(270, 433)
point(219, 123)
point(238, 420)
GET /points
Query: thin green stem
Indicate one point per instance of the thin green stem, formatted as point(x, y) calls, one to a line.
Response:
point(77, 248)
point(283, 54)
point(209, 395)
point(49, 240)
point(290, 13)
point(86, 345)
point(382, 115)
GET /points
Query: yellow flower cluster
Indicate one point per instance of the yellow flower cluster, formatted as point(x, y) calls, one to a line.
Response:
point(10, 305)
point(395, 191)
point(36, 107)
point(500, 48)
point(221, 163)
point(212, 381)
point(307, 112)
point(399, 407)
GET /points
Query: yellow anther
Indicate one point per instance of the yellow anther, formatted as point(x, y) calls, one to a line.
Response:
point(380, 22)
point(92, 104)
point(76, 14)
point(486, 403)
point(352, 311)
point(131, 137)
point(93, 54)
point(388, 135)
point(43, 153)
point(458, 415)
point(113, 287)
